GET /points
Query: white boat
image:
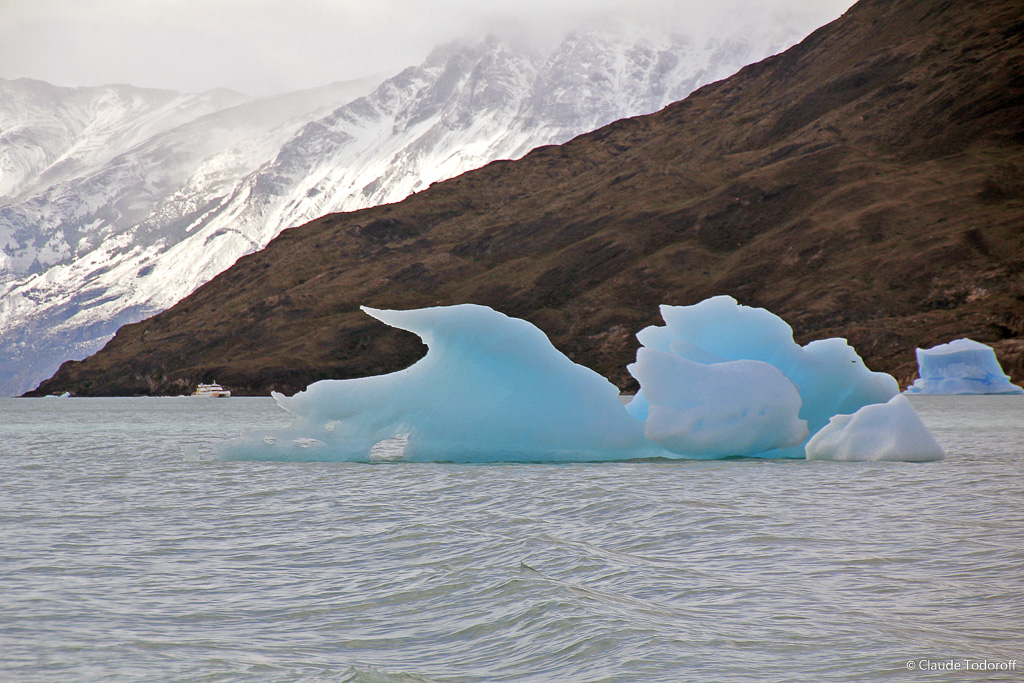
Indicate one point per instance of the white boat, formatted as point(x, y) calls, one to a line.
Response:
point(212, 391)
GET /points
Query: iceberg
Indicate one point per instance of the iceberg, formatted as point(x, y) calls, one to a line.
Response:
point(877, 432)
point(718, 380)
point(491, 388)
point(717, 410)
point(829, 376)
point(963, 366)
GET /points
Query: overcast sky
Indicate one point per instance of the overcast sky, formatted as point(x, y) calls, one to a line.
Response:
point(262, 47)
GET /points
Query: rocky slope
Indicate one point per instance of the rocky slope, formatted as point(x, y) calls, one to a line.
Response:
point(866, 183)
point(141, 225)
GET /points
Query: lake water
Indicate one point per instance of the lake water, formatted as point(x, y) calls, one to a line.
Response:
point(127, 552)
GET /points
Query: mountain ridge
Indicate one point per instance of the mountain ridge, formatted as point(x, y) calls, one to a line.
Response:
point(865, 184)
point(84, 127)
point(161, 218)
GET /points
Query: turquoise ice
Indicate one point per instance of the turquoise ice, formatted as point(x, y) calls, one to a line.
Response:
point(828, 374)
point(718, 380)
point(491, 388)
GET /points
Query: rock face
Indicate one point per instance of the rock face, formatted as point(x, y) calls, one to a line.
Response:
point(865, 183)
point(153, 193)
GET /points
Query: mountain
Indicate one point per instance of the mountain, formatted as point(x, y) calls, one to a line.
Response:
point(866, 183)
point(97, 199)
point(133, 231)
point(49, 134)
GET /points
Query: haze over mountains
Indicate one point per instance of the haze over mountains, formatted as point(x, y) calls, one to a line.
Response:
point(117, 201)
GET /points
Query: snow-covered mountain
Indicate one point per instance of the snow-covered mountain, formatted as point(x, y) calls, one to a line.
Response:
point(117, 202)
point(50, 134)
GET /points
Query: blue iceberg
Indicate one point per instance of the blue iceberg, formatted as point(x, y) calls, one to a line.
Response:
point(828, 374)
point(718, 380)
point(717, 410)
point(963, 366)
point(491, 388)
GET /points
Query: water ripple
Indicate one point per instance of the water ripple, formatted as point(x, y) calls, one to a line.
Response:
point(127, 556)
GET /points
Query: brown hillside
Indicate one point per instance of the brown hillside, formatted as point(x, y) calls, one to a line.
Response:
point(867, 183)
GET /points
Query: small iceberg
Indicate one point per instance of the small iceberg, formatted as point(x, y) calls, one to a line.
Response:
point(877, 432)
point(963, 366)
point(718, 380)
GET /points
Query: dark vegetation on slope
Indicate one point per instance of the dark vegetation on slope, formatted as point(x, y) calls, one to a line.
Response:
point(867, 183)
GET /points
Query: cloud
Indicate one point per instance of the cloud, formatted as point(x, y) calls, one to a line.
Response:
point(270, 46)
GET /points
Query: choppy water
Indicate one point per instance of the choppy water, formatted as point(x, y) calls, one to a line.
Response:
point(128, 553)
